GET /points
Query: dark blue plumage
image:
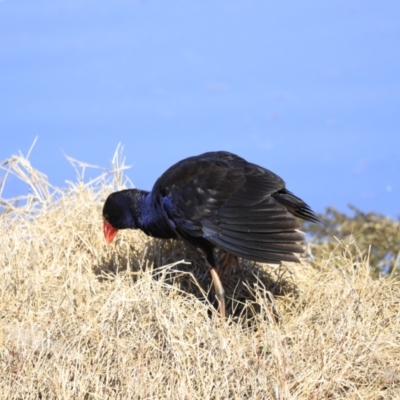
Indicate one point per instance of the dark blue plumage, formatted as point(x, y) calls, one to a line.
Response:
point(215, 200)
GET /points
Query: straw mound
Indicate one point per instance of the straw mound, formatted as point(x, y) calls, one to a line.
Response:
point(84, 320)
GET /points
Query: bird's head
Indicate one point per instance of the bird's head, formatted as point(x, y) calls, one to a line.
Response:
point(118, 213)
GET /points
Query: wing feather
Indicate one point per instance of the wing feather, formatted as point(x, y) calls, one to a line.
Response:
point(239, 207)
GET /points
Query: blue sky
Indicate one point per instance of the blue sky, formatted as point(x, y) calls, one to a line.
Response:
point(309, 89)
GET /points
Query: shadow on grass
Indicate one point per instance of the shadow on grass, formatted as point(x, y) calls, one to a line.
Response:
point(247, 292)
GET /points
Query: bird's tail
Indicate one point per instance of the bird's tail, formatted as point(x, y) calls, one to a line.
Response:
point(295, 206)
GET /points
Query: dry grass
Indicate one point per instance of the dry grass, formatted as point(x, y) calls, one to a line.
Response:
point(377, 237)
point(83, 320)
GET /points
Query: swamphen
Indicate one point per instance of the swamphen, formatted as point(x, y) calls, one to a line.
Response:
point(215, 200)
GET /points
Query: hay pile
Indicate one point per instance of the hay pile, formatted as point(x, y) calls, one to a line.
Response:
point(83, 320)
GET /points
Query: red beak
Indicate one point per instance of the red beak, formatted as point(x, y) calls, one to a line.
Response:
point(109, 232)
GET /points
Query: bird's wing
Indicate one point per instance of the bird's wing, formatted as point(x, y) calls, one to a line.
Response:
point(228, 201)
point(264, 232)
point(196, 188)
point(253, 224)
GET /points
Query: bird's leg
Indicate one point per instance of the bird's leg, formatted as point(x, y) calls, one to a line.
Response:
point(206, 249)
point(219, 292)
point(225, 263)
point(222, 264)
point(238, 268)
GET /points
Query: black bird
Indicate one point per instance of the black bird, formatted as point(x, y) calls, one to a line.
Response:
point(215, 200)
